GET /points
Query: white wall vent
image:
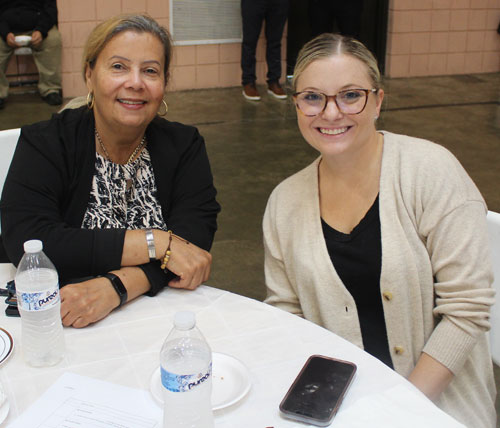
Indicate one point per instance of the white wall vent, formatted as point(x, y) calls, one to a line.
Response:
point(195, 22)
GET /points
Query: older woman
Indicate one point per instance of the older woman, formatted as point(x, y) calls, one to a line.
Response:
point(383, 238)
point(122, 199)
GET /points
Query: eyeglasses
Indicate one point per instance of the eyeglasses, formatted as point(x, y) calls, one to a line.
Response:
point(350, 101)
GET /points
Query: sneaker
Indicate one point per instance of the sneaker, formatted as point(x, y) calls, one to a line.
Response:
point(275, 89)
point(53, 99)
point(2, 103)
point(250, 92)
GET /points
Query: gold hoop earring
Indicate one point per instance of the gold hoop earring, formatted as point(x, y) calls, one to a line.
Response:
point(166, 108)
point(90, 100)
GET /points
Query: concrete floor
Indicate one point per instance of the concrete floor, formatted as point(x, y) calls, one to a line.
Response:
point(254, 145)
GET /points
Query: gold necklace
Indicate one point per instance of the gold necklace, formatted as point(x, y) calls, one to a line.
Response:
point(131, 157)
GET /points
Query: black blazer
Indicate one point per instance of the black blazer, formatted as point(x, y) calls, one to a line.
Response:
point(47, 189)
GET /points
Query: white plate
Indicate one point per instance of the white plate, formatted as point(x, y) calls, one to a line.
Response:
point(230, 381)
point(6, 345)
point(22, 40)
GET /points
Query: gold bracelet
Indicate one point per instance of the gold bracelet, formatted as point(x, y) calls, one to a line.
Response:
point(168, 252)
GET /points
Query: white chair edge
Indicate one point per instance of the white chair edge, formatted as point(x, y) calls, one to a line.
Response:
point(493, 220)
point(8, 143)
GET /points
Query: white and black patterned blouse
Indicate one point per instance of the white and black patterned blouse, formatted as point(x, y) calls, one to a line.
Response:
point(124, 196)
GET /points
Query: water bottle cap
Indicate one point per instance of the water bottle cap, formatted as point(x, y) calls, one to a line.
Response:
point(33, 246)
point(184, 320)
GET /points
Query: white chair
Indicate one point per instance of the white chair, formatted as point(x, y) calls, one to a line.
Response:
point(493, 219)
point(8, 142)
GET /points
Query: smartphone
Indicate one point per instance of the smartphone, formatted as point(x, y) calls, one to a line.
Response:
point(317, 393)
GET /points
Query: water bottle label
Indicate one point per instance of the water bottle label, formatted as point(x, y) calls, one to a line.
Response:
point(39, 301)
point(182, 383)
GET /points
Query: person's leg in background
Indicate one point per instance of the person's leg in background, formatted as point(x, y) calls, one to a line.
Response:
point(321, 18)
point(252, 14)
point(5, 54)
point(47, 58)
point(348, 16)
point(276, 16)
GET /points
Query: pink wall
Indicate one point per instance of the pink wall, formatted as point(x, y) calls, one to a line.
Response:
point(193, 67)
point(425, 37)
point(436, 37)
point(78, 17)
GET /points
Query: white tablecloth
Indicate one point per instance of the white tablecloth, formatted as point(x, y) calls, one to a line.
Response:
point(124, 349)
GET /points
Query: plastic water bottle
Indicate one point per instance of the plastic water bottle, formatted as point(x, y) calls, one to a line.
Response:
point(38, 301)
point(186, 376)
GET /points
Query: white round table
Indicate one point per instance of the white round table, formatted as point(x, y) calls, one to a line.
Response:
point(273, 344)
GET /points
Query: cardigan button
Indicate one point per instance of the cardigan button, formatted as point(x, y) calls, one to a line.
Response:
point(399, 350)
point(387, 295)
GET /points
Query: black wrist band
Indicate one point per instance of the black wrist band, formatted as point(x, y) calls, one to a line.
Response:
point(117, 284)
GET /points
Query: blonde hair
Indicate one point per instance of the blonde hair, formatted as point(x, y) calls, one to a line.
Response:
point(328, 44)
point(106, 30)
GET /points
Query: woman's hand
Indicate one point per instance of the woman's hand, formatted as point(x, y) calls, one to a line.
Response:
point(190, 263)
point(87, 302)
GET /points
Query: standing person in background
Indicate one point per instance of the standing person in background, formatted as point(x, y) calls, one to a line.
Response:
point(346, 14)
point(253, 13)
point(37, 18)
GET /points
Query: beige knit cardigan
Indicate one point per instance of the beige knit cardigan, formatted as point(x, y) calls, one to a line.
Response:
point(436, 277)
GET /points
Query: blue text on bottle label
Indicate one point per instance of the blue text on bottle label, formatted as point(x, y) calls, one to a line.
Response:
point(183, 383)
point(39, 301)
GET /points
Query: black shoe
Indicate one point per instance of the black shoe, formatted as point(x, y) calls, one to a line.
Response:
point(53, 99)
point(2, 103)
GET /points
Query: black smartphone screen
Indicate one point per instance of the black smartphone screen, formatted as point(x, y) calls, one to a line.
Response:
point(319, 389)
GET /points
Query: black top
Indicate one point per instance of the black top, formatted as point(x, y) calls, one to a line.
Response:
point(357, 258)
point(47, 190)
point(17, 16)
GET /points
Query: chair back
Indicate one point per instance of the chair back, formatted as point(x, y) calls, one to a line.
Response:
point(493, 219)
point(8, 142)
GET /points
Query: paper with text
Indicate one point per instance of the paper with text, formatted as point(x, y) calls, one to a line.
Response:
point(76, 401)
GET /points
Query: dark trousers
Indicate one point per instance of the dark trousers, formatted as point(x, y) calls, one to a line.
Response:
point(253, 13)
point(346, 13)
